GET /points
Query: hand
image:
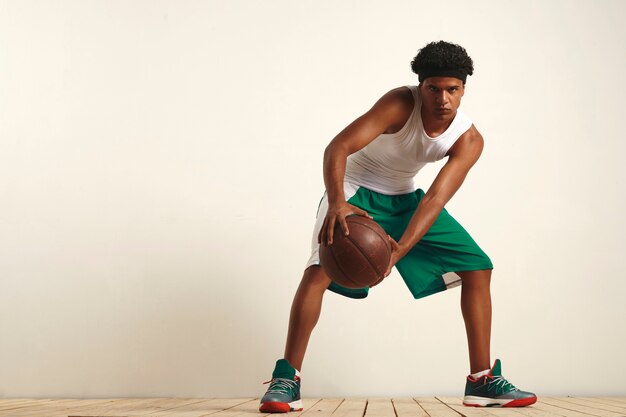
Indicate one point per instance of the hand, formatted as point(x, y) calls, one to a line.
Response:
point(337, 214)
point(396, 254)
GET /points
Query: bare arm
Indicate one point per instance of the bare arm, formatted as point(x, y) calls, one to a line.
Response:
point(391, 110)
point(462, 156)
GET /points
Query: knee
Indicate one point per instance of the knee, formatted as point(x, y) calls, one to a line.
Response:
point(315, 277)
point(476, 278)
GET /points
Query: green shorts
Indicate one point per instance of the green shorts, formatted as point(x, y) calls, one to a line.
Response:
point(446, 247)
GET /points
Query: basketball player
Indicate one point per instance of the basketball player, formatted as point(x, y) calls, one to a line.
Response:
point(368, 170)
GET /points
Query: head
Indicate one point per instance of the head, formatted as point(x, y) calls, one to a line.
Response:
point(442, 68)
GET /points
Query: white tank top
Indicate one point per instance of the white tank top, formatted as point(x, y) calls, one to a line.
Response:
point(389, 163)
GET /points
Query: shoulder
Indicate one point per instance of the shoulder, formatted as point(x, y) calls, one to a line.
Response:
point(470, 144)
point(395, 106)
point(400, 98)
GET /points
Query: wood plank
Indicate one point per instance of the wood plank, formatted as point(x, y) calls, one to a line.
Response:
point(604, 400)
point(245, 408)
point(555, 410)
point(351, 407)
point(306, 404)
point(173, 406)
point(5, 402)
point(531, 411)
point(15, 400)
point(136, 407)
point(435, 408)
point(62, 409)
point(408, 407)
point(13, 404)
point(199, 407)
point(120, 407)
point(379, 407)
point(618, 399)
point(456, 403)
point(560, 402)
point(313, 407)
point(53, 406)
point(323, 408)
point(594, 404)
point(170, 406)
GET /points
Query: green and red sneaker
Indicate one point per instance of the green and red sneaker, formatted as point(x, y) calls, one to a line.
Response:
point(492, 390)
point(283, 394)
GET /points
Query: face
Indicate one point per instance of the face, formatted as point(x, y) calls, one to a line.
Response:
point(441, 96)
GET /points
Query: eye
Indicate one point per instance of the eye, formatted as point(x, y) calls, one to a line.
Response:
point(432, 88)
point(453, 89)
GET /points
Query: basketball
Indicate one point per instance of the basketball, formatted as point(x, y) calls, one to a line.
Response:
point(359, 259)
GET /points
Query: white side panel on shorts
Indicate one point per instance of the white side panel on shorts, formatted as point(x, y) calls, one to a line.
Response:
point(349, 191)
point(451, 280)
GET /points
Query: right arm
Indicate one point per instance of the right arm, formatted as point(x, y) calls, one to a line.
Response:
point(390, 112)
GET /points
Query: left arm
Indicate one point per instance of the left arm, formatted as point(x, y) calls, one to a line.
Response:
point(462, 156)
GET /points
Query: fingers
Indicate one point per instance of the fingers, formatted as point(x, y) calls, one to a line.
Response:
point(344, 225)
point(362, 213)
point(325, 236)
point(330, 230)
point(394, 244)
point(327, 231)
point(392, 263)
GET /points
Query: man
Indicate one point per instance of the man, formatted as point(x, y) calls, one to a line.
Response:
point(368, 170)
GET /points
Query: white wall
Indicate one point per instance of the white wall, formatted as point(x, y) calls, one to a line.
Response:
point(160, 170)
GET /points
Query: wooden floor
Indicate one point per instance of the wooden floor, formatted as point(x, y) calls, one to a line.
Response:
point(313, 407)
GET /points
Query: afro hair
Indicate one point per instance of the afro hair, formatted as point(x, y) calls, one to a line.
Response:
point(442, 55)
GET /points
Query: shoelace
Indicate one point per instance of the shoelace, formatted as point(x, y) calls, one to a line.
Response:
point(499, 382)
point(281, 385)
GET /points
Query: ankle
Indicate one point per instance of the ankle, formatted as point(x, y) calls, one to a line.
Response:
point(480, 373)
point(295, 365)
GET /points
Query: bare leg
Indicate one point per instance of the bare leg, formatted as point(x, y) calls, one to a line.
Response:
point(476, 308)
point(305, 312)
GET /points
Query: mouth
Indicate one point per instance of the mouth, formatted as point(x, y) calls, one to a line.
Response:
point(442, 110)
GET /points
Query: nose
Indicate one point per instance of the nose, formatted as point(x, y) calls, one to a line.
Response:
point(442, 97)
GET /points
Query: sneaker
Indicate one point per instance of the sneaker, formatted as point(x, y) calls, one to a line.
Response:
point(492, 390)
point(283, 394)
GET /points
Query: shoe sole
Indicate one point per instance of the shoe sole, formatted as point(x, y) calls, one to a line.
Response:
point(278, 407)
point(472, 401)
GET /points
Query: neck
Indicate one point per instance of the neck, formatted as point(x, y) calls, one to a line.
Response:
point(436, 125)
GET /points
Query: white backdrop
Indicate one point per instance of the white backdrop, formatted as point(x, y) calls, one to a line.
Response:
point(161, 166)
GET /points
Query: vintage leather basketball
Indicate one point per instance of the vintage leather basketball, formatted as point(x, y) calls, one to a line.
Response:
point(359, 259)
